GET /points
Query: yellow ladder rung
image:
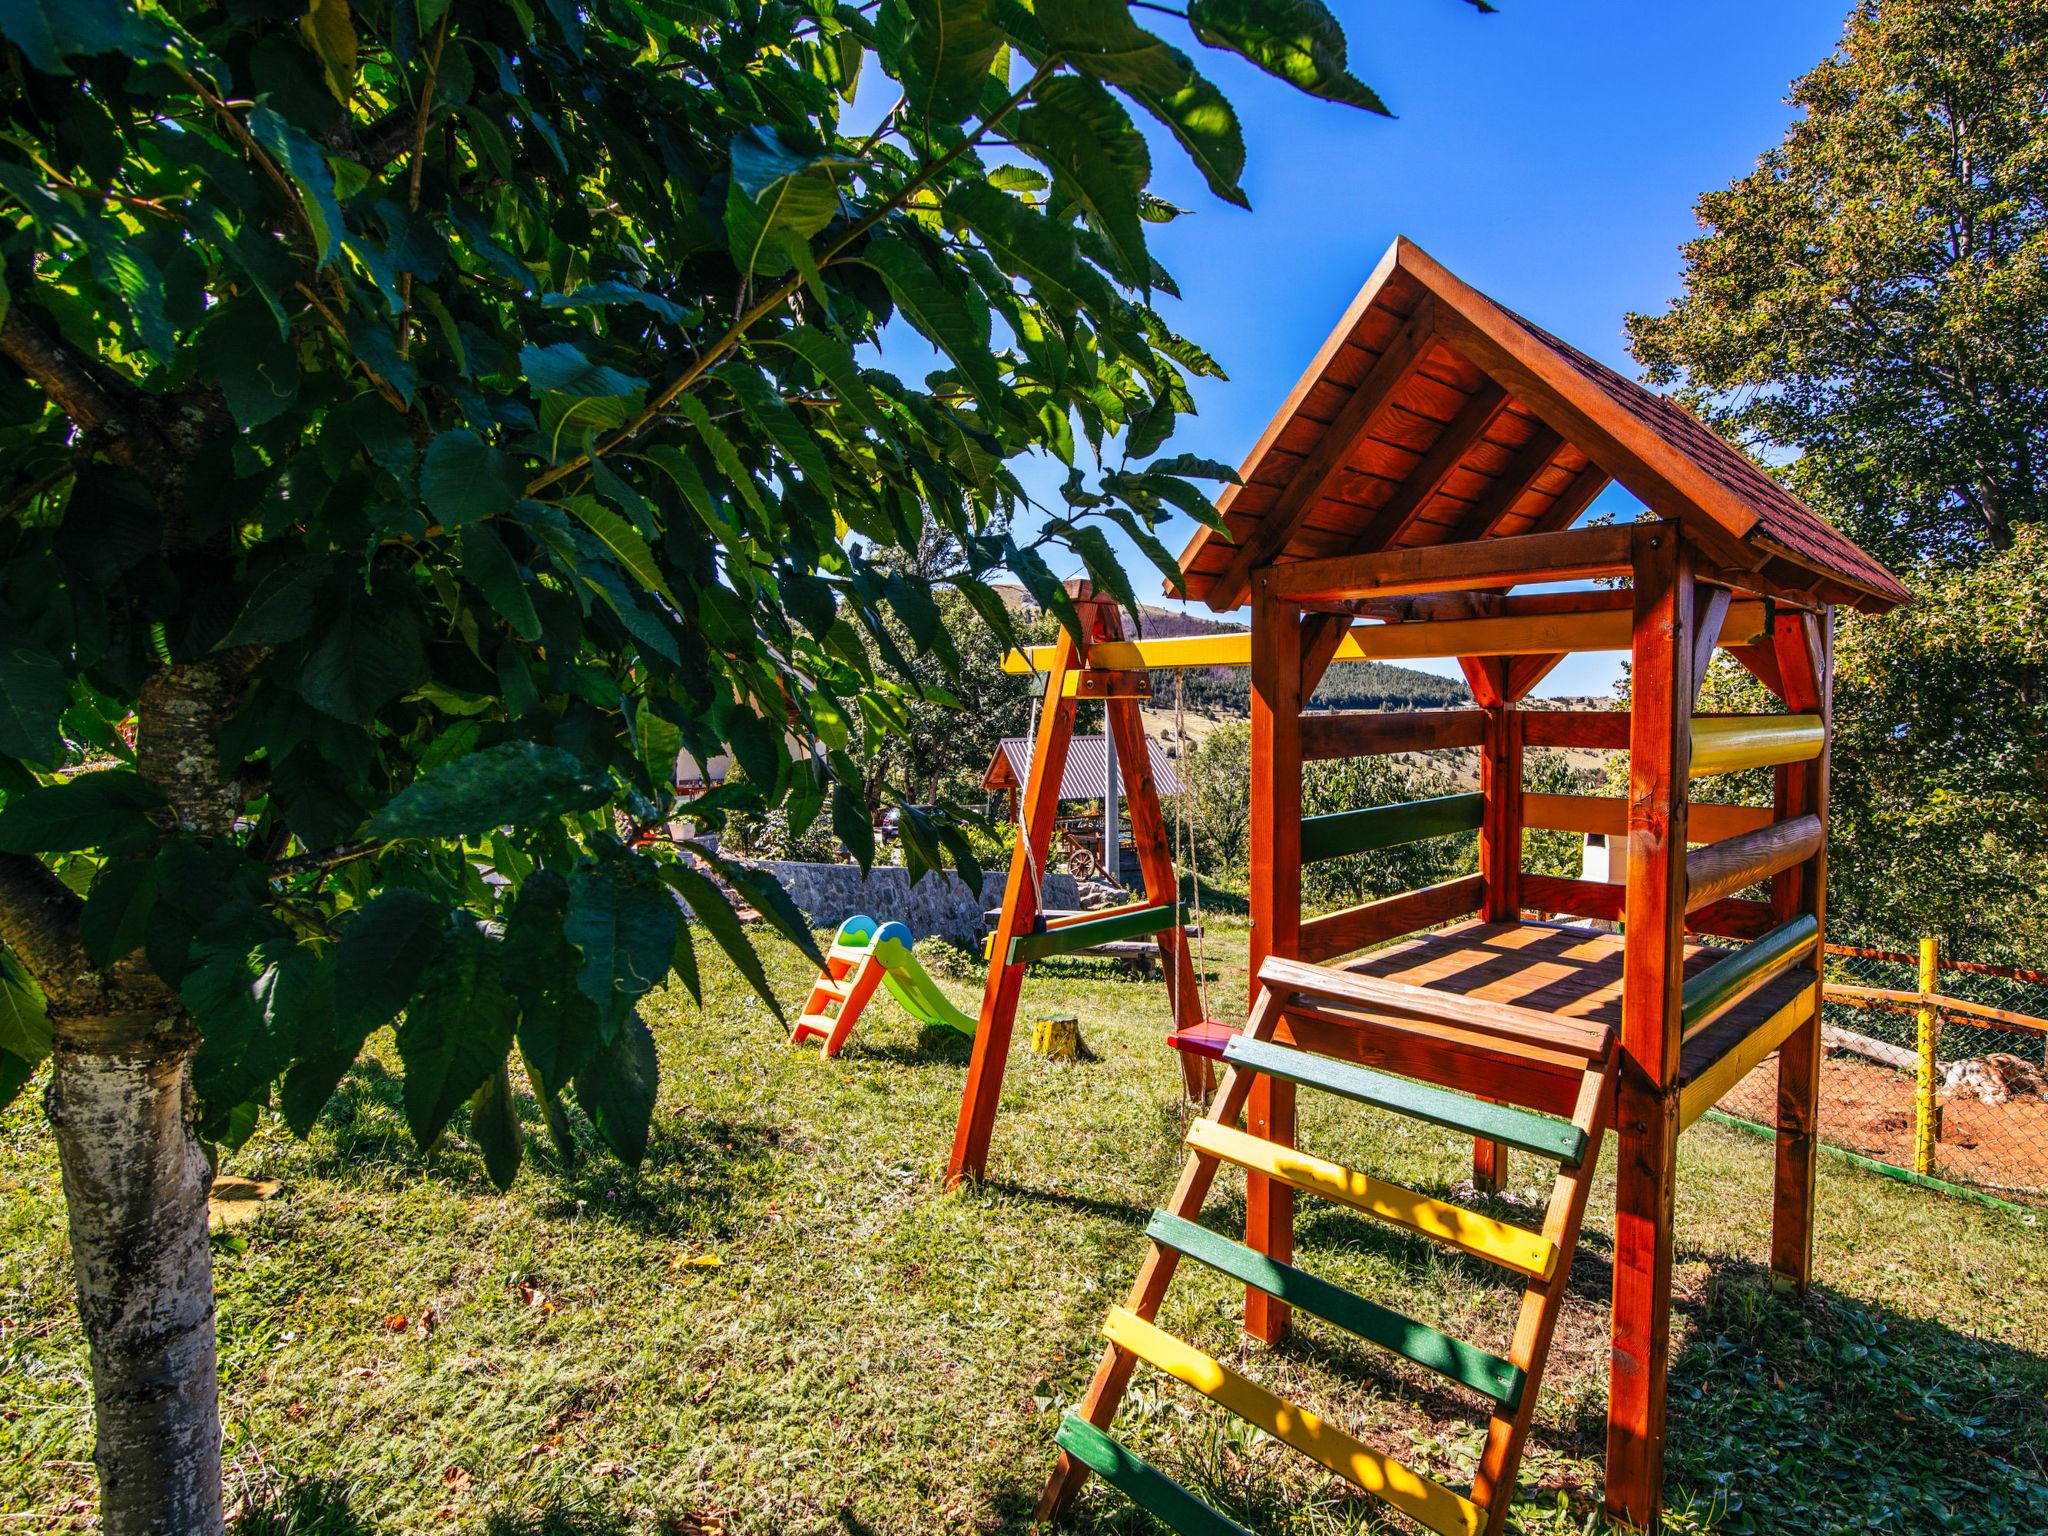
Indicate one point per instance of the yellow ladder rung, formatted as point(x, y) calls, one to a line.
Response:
point(1419, 1497)
point(838, 989)
point(1511, 1247)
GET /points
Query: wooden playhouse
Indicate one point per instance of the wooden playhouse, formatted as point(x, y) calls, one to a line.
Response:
point(1432, 461)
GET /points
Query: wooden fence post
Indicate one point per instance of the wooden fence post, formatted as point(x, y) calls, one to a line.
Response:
point(1926, 1113)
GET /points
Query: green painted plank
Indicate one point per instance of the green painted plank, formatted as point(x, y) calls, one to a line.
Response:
point(1461, 1362)
point(1721, 981)
point(1388, 826)
point(1146, 1487)
point(1090, 932)
point(1558, 1140)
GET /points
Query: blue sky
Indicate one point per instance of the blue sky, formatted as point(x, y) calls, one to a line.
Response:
point(1549, 154)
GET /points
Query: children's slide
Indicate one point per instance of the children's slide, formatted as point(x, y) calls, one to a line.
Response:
point(866, 955)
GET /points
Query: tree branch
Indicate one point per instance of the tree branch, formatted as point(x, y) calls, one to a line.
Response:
point(109, 408)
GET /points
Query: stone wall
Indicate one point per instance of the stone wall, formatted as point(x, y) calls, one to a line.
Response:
point(938, 905)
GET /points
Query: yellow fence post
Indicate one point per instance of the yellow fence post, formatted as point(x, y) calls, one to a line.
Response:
point(1926, 1114)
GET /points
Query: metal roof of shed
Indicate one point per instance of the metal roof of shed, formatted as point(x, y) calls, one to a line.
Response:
point(1086, 768)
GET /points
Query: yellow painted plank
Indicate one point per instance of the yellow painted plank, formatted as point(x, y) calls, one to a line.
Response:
point(1511, 1247)
point(1727, 743)
point(1528, 635)
point(1419, 1497)
point(1712, 1085)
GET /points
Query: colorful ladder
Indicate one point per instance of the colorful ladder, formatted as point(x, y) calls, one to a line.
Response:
point(1543, 1258)
point(851, 975)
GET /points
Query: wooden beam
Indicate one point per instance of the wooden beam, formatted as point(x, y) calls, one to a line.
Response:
point(1602, 729)
point(1525, 672)
point(1486, 514)
point(1723, 868)
point(1608, 816)
point(1317, 474)
point(1460, 433)
point(1327, 734)
point(1486, 676)
point(1573, 499)
point(1277, 684)
point(1391, 917)
point(1529, 557)
point(1713, 612)
point(1653, 975)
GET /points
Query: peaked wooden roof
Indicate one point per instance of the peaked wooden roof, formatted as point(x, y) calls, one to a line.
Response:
point(1433, 415)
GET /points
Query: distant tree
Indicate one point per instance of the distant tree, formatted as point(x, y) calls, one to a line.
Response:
point(1216, 779)
point(1350, 784)
point(1545, 772)
point(422, 421)
point(1869, 303)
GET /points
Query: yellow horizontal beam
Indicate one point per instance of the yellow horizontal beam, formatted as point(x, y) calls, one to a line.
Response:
point(1511, 1247)
point(1728, 743)
point(1540, 634)
point(1712, 1085)
point(1416, 1496)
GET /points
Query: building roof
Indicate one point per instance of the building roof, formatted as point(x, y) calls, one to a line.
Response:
point(1433, 415)
point(1086, 768)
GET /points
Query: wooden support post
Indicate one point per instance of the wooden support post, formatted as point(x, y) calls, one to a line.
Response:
point(1277, 694)
point(1126, 728)
point(1927, 1037)
point(984, 1085)
point(1500, 840)
point(1646, 1108)
point(1802, 652)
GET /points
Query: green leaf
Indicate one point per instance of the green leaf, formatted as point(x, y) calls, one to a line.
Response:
point(33, 696)
point(457, 1031)
point(952, 46)
point(660, 743)
point(722, 449)
point(558, 1025)
point(246, 1001)
point(514, 784)
point(624, 925)
point(1105, 42)
point(778, 198)
point(770, 413)
point(852, 825)
point(463, 479)
point(936, 311)
point(102, 810)
point(116, 915)
point(302, 161)
point(489, 567)
point(1104, 569)
point(370, 655)
point(1098, 158)
point(1298, 41)
point(331, 34)
point(625, 543)
point(25, 1031)
point(766, 896)
point(1027, 244)
point(494, 1122)
point(1194, 468)
point(14, 1076)
point(49, 31)
point(603, 295)
point(708, 905)
point(617, 1090)
point(280, 607)
point(384, 951)
point(834, 363)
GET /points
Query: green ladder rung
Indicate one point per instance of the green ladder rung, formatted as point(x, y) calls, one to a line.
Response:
point(1486, 1374)
point(1558, 1140)
point(1147, 1487)
point(1089, 932)
point(1388, 826)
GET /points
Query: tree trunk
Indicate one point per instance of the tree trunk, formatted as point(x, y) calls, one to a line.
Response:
point(135, 1189)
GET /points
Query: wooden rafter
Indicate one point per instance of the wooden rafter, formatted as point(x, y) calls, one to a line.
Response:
point(1485, 516)
point(1457, 439)
point(1318, 474)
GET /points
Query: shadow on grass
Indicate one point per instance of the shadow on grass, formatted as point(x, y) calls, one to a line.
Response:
point(697, 1167)
point(935, 1045)
point(314, 1506)
point(1125, 1213)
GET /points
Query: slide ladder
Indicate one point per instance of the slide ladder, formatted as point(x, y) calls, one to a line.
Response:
point(1571, 1060)
point(866, 955)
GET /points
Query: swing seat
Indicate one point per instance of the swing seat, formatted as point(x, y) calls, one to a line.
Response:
point(1207, 1038)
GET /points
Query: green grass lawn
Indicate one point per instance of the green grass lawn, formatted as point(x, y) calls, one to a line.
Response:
point(407, 1351)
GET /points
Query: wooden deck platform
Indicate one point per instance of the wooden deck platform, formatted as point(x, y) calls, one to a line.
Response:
point(1570, 973)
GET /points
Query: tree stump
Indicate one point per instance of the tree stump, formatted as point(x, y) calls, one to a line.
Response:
point(1057, 1038)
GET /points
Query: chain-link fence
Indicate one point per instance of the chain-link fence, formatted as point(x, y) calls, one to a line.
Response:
point(1931, 1064)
